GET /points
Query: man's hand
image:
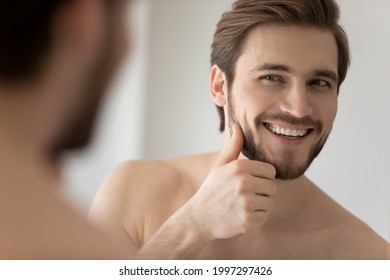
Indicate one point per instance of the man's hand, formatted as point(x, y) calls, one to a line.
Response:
point(234, 198)
point(236, 195)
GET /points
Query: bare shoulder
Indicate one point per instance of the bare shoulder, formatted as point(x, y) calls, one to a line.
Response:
point(140, 195)
point(157, 180)
point(140, 177)
point(354, 239)
point(144, 181)
point(351, 237)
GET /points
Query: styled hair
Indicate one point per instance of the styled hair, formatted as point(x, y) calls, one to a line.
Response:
point(244, 15)
point(25, 35)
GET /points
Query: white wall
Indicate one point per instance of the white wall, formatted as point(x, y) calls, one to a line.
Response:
point(181, 117)
point(163, 109)
point(354, 167)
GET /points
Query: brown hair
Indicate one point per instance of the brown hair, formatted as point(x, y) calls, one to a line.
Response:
point(235, 25)
point(25, 36)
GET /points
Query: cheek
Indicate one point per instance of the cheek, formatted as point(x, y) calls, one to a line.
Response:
point(120, 36)
point(246, 112)
point(121, 29)
point(327, 111)
point(251, 101)
point(126, 33)
point(259, 108)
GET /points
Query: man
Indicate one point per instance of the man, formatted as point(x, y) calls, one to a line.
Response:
point(277, 67)
point(56, 59)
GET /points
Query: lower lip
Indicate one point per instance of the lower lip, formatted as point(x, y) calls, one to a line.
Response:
point(293, 141)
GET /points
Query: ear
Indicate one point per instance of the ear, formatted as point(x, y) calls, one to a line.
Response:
point(80, 24)
point(218, 86)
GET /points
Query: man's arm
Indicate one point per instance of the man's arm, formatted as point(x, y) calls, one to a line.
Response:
point(235, 197)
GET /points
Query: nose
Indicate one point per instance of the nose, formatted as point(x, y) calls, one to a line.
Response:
point(295, 102)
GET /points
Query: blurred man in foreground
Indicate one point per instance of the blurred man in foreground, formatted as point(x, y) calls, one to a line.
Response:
point(56, 59)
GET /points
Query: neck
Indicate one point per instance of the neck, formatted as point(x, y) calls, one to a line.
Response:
point(22, 161)
point(24, 130)
point(291, 200)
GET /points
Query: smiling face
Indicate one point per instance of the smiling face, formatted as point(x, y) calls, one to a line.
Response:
point(284, 95)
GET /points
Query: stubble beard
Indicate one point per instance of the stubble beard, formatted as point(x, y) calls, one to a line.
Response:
point(78, 132)
point(285, 168)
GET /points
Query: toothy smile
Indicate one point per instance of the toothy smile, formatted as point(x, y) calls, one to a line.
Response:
point(286, 131)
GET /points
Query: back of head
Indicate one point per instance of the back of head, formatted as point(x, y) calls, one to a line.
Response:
point(63, 54)
point(235, 25)
point(24, 36)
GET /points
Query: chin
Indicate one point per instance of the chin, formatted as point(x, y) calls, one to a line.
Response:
point(76, 137)
point(285, 172)
point(287, 168)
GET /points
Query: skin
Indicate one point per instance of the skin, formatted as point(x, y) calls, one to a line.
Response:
point(225, 206)
point(35, 114)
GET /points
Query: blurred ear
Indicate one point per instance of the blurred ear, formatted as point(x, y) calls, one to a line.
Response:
point(80, 24)
point(218, 86)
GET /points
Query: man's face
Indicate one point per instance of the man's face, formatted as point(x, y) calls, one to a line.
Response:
point(284, 96)
point(115, 44)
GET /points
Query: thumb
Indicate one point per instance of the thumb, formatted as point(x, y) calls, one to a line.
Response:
point(232, 146)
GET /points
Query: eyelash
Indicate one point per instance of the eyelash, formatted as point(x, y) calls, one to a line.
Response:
point(269, 77)
point(327, 84)
point(277, 78)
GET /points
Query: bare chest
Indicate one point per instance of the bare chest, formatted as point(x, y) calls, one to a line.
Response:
point(314, 245)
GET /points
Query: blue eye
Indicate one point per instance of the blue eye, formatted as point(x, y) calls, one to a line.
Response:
point(271, 77)
point(320, 83)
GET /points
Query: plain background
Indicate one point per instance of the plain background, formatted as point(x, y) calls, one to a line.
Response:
point(159, 105)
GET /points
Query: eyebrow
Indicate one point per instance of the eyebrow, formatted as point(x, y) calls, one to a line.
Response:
point(271, 66)
point(284, 68)
point(327, 74)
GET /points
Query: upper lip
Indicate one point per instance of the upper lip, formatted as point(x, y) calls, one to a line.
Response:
point(289, 126)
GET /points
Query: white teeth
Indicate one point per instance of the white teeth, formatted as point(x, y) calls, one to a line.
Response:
point(302, 132)
point(287, 132)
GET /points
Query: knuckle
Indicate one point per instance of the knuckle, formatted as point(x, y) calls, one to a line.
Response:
point(270, 169)
point(242, 184)
point(247, 201)
point(242, 202)
point(242, 181)
point(236, 166)
point(260, 215)
point(246, 222)
point(269, 188)
point(215, 173)
point(272, 188)
point(261, 218)
point(270, 204)
point(243, 230)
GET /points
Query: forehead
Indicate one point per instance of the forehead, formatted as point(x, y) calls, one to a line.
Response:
point(299, 48)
